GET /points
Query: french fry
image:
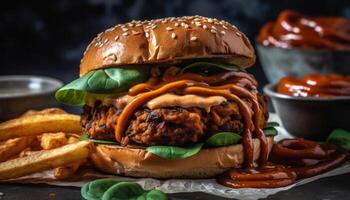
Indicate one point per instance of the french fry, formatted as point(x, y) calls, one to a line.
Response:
point(67, 171)
point(14, 146)
point(53, 140)
point(43, 160)
point(33, 125)
point(73, 139)
point(64, 172)
point(27, 152)
point(44, 112)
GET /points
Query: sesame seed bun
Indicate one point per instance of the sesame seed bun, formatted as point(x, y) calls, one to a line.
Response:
point(137, 162)
point(169, 40)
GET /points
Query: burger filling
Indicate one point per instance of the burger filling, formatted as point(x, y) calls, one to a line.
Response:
point(167, 120)
point(167, 105)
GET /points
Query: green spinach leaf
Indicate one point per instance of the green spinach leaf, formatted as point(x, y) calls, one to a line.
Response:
point(340, 137)
point(99, 141)
point(110, 189)
point(155, 195)
point(94, 190)
point(223, 139)
point(210, 68)
point(173, 152)
point(132, 191)
point(270, 131)
point(102, 81)
point(271, 124)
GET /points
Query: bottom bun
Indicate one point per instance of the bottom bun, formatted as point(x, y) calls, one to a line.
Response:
point(137, 162)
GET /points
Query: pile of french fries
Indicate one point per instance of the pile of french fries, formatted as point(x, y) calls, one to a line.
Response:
point(39, 141)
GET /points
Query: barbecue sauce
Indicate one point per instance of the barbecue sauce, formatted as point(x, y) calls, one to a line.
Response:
point(293, 30)
point(316, 85)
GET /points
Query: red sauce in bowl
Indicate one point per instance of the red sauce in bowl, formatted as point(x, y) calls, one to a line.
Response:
point(317, 85)
point(295, 30)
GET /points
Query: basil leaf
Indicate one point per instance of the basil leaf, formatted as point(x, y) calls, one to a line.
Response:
point(270, 131)
point(94, 190)
point(102, 81)
point(173, 152)
point(209, 68)
point(340, 138)
point(131, 191)
point(271, 124)
point(223, 139)
point(99, 141)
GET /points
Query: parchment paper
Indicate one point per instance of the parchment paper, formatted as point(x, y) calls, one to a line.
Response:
point(178, 186)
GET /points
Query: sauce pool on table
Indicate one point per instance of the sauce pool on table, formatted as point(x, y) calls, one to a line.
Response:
point(290, 160)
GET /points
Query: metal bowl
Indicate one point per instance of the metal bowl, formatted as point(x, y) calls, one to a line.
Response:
point(21, 93)
point(279, 62)
point(310, 117)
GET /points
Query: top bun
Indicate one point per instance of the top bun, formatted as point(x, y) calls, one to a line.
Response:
point(168, 40)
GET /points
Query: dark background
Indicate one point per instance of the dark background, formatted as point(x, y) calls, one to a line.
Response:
point(48, 37)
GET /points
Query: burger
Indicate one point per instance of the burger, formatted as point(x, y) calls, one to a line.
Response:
point(170, 98)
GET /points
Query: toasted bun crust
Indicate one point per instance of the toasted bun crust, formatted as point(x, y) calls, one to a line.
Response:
point(169, 40)
point(208, 163)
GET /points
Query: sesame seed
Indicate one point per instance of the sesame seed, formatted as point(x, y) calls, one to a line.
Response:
point(138, 25)
point(164, 21)
point(233, 26)
point(169, 28)
point(223, 32)
point(223, 26)
point(213, 31)
point(125, 34)
point(205, 26)
point(186, 26)
point(105, 41)
point(110, 29)
point(193, 38)
point(210, 20)
point(183, 23)
point(216, 23)
point(135, 32)
point(198, 24)
point(123, 26)
point(116, 37)
point(131, 25)
point(147, 35)
point(238, 34)
point(196, 19)
point(173, 35)
point(154, 26)
point(125, 29)
point(213, 27)
point(176, 24)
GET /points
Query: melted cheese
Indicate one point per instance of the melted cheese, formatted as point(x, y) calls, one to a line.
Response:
point(186, 101)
